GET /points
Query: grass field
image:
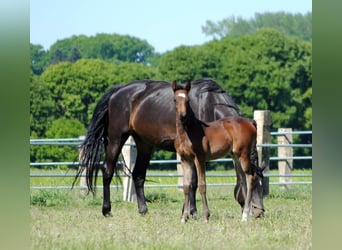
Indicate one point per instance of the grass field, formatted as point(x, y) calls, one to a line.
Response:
point(69, 219)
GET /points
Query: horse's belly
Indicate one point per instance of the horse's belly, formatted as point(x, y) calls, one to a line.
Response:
point(218, 150)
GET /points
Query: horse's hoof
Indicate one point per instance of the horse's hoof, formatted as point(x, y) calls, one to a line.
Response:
point(183, 220)
point(143, 211)
point(108, 214)
point(194, 216)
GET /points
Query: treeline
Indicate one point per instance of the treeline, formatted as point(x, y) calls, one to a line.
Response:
point(265, 70)
point(290, 24)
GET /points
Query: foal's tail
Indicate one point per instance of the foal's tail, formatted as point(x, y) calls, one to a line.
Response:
point(254, 153)
point(92, 148)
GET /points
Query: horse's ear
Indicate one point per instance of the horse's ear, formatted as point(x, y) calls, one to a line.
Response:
point(174, 86)
point(188, 86)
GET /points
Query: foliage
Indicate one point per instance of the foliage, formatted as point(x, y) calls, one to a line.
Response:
point(290, 24)
point(107, 47)
point(188, 63)
point(39, 59)
point(41, 107)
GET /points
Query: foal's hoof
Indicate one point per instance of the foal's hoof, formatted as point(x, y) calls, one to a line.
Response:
point(244, 217)
point(184, 218)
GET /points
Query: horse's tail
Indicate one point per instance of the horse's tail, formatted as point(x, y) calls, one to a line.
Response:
point(92, 148)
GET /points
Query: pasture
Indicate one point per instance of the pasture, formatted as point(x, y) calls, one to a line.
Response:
point(69, 219)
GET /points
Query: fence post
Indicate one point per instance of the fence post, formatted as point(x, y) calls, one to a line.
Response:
point(83, 181)
point(129, 154)
point(180, 172)
point(263, 120)
point(285, 166)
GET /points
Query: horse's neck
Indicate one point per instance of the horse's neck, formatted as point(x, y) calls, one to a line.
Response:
point(180, 129)
point(191, 122)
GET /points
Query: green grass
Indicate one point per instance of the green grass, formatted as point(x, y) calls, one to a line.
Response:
point(69, 219)
point(67, 181)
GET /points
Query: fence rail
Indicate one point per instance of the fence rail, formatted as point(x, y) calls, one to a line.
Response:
point(78, 141)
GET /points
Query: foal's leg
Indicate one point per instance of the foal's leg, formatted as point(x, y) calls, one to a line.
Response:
point(192, 195)
point(202, 186)
point(246, 166)
point(240, 186)
point(187, 176)
point(112, 152)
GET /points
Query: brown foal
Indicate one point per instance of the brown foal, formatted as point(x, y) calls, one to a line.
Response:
point(197, 143)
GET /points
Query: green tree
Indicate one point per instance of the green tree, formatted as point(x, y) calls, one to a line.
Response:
point(187, 63)
point(268, 70)
point(75, 86)
point(290, 24)
point(71, 90)
point(39, 58)
point(108, 47)
point(42, 107)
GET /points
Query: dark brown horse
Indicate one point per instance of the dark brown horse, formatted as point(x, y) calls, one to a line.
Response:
point(198, 142)
point(142, 109)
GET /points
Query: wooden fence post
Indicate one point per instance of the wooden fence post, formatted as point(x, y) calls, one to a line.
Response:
point(263, 120)
point(285, 166)
point(129, 154)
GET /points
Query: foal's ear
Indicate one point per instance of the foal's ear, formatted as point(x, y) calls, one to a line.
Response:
point(188, 86)
point(174, 86)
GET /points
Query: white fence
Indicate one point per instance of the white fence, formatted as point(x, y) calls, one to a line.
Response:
point(284, 159)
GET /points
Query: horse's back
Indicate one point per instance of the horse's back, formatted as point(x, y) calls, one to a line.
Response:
point(145, 108)
point(240, 128)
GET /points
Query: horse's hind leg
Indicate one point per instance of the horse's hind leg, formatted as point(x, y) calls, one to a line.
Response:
point(112, 153)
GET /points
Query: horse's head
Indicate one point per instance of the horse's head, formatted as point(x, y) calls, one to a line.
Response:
point(257, 196)
point(257, 193)
point(181, 98)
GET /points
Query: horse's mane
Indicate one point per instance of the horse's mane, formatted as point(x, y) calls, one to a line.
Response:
point(208, 85)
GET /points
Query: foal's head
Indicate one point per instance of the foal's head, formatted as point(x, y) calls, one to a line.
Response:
point(181, 98)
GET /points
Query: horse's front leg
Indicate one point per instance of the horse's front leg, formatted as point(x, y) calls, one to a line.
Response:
point(192, 195)
point(202, 186)
point(187, 176)
point(139, 173)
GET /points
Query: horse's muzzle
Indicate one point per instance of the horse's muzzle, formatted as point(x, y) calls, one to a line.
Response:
point(258, 212)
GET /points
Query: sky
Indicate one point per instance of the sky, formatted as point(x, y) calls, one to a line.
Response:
point(163, 24)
